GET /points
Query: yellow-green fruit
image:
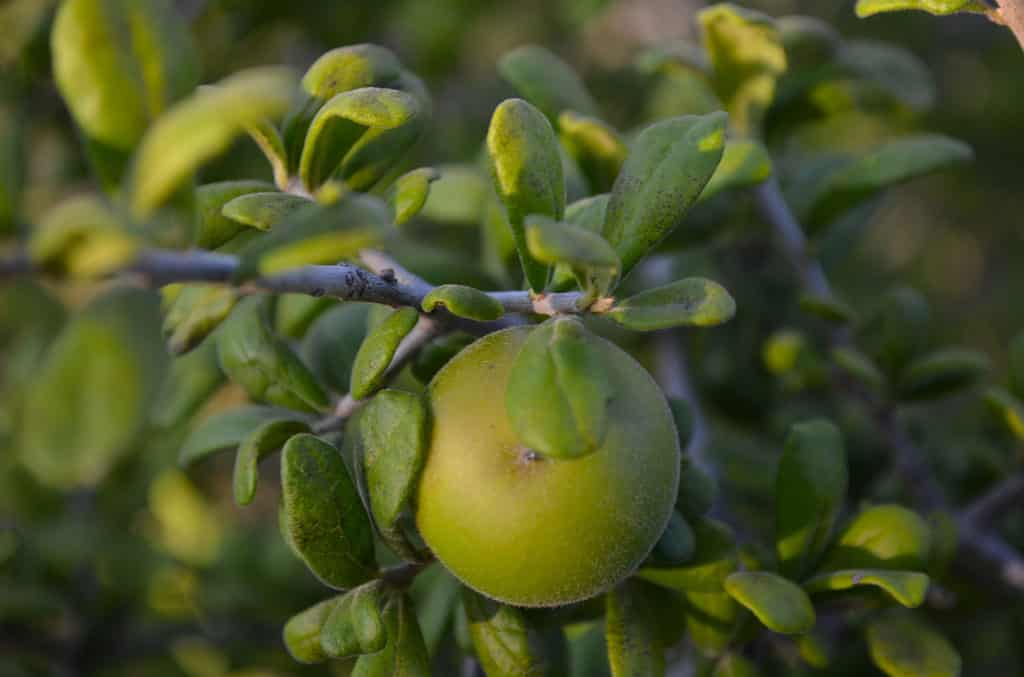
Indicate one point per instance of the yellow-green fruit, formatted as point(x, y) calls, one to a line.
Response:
point(536, 531)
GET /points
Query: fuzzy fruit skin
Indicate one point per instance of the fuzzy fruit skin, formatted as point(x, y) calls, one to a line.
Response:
point(543, 532)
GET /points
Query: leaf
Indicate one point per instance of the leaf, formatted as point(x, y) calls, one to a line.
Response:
point(264, 211)
point(595, 145)
point(779, 604)
point(13, 165)
point(527, 171)
point(89, 401)
point(633, 646)
point(433, 356)
point(405, 654)
point(810, 488)
point(941, 373)
point(331, 344)
point(745, 163)
point(302, 632)
point(676, 545)
point(215, 229)
point(501, 637)
point(858, 365)
point(266, 367)
point(558, 391)
point(905, 587)
point(890, 164)
point(1008, 409)
point(465, 302)
point(82, 237)
point(294, 313)
point(587, 213)
point(260, 443)
point(902, 646)
point(190, 382)
point(882, 537)
point(410, 192)
point(172, 148)
point(668, 167)
point(592, 260)
point(378, 349)
point(225, 430)
point(732, 665)
point(324, 517)
point(890, 72)
point(712, 619)
point(119, 63)
point(395, 433)
point(196, 311)
point(747, 58)
point(713, 561)
point(355, 624)
point(271, 143)
point(698, 490)
point(828, 308)
point(458, 195)
point(547, 82)
point(896, 329)
point(316, 235)
point(359, 136)
point(866, 8)
point(351, 67)
point(1015, 360)
point(693, 302)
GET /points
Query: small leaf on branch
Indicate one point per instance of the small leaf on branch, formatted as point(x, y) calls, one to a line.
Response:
point(225, 430)
point(828, 308)
point(405, 654)
point(269, 140)
point(859, 365)
point(715, 558)
point(260, 443)
point(501, 636)
point(196, 311)
point(887, 537)
point(781, 605)
point(676, 545)
point(378, 349)
point(634, 649)
point(1008, 409)
point(332, 343)
point(905, 587)
point(693, 302)
point(465, 302)
point(264, 211)
point(942, 373)
point(546, 81)
point(410, 192)
point(302, 632)
point(215, 229)
point(355, 624)
point(902, 646)
point(82, 237)
point(593, 261)
point(745, 163)
point(595, 145)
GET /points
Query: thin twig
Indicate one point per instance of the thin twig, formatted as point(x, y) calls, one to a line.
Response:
point(999, 501)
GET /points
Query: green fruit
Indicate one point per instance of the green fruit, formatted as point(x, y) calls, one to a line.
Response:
point(536, 531)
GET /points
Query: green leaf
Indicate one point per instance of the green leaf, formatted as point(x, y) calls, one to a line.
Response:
point(714, 559)
point(631, 634)
point(189, 384)
point(465, 302)
point(889, 72)
point(693, 302)
point(266, 367)
point(90, 400)
point(302, 632)
point(527, 171)
point(882, 537)
point(395, 433)
point(896, 329)
point(595, 145)
point(214, 228)
point(359, 136)
point(264, 211)
point(902, 646)
point(558, 391)
point(890, 164)
point(676, 545)
point(547, 82)
point(747, 58)
point(410, 192)
point(828, 308)
point(355, 624)
point(859, 366)
point(732, 665)
point(501, 637)
point(13, 165)
point(810, 488)
point(668, 167)
point(173, 149)
point(261, 442)
point(905, 587)
point(331, 344)
point(82, 237)
point(698, 490)
point(781, 605)
point(197, 310)
point(745, 163)
point(294, 313)
point(458, 195)
point(323, 515)
point(712, 620)
point(119, 63)
point(316, 235)
point(866, 8)
point(1008, 409)
point(437, 353)
point(351, 67)
point(1015, 360)
point(592, 260)
point(405, 654)
point(942, 372)
point(378, 349)
point(225, 430)
point(587, 213)
point(271, 143)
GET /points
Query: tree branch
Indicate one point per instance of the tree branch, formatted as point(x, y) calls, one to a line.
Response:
point(1000, 500)
point(1011, 14)
point(979, 554)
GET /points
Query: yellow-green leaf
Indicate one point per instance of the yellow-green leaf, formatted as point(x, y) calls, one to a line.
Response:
point(260, 443)
point(693, 302)
point(781, 605)
point(905, 587)
point(463, 301)
point(82, 237)
point(866, 8)
point(902, 646)
point(378, 349)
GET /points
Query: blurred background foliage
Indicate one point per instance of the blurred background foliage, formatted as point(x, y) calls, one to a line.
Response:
point(215, 582)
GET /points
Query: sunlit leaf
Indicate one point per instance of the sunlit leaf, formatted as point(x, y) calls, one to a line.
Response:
point(778, 603)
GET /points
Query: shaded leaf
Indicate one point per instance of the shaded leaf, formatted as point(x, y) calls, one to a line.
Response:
point(260, 443)
point(882, 537)
point(896, 329)
point(942, 373)
point(745, 163)
point(263, 211)
point(172, 149)
point(905, 587)
point(215, 229)
point(82, 237)
point(410, 192)
point(294, 313)
point(698, 490)
point(1015, 360)
point(1008, 409)
point(501, 637)
point(891, 71)
point(463, 301)
point(225, 430)
point(810, 488)
point(692, 302)
point(828, 308)
point(331, 344)
point(713, 561)
point(546, 81)
point(781, 605)
point(595, 145)
point(355, 624)
point(593, 261)
point(193, 314)
point(405, 654)
point(858, 365)
point(902, 646)
point(589, 214)
point(378, 349)
point(558, 392)
point(668, 167)
point(675, 546)
point(323, 514)
point(432, 357)
point(190, 382)
point(631, 635)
